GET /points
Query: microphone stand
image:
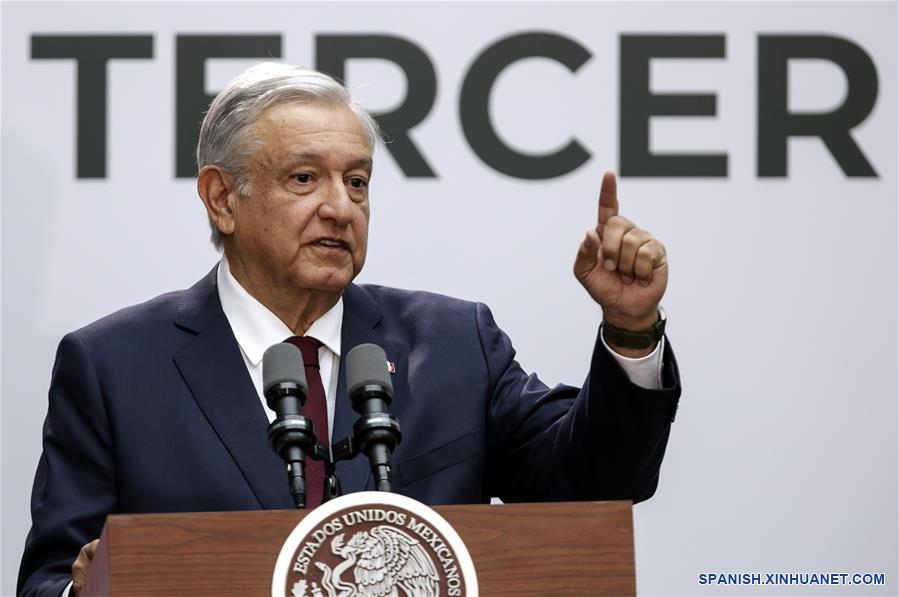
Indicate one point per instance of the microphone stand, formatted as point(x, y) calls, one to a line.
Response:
point(376, 434)
point(342, 450)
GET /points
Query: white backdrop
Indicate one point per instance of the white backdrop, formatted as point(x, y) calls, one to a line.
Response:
point(783, 294)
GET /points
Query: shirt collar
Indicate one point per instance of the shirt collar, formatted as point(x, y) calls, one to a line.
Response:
point(256, 328)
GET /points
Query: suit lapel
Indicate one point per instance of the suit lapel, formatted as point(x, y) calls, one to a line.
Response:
point(215, 372)
point(361, 319)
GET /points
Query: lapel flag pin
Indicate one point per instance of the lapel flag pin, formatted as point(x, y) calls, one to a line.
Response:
point(391, 367)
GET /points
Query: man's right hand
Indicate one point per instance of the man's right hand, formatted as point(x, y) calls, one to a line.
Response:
point(81, 565)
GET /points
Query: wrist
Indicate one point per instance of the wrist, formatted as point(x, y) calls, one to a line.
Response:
point(629, 323)
point(634, 337)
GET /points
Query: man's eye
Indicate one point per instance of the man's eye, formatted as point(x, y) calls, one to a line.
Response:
point(303, 178)
point(358, 183)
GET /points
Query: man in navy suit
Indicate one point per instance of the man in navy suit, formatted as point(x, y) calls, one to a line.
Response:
point(158, 407)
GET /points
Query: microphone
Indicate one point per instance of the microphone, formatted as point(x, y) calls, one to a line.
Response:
point(290, 435)
point(377, 433)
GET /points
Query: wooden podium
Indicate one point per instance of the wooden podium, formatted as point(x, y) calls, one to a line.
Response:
point(576, 548)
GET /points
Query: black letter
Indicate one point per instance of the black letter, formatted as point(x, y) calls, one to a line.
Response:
point(638, 104)
point(192, 101)
point(474, 106)
point(331, 54)
point(91, 52)
point(776, 124)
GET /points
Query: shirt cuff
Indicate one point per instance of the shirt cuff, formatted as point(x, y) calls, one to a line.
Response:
point(68, 590)
point(645, 372)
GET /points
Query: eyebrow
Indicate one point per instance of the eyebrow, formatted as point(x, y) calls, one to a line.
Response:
point(311, 156)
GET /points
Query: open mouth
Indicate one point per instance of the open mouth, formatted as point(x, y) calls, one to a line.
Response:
point(332, 243)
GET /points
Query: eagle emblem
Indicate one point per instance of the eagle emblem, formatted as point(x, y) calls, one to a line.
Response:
point(386, 562)
point(374, 544)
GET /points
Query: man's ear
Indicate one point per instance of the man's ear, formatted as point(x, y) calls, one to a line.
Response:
point(217, 190)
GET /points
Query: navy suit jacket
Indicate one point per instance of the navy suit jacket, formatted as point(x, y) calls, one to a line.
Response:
point(152, 410)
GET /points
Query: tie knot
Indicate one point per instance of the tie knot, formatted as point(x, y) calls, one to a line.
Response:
point(309, 347)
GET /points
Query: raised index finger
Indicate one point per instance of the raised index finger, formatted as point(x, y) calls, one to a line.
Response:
point(608, 198)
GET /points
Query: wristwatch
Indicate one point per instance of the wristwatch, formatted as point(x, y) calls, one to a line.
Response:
point(641, 339)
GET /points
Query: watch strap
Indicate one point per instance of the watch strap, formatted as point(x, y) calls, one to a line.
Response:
point(630, 339)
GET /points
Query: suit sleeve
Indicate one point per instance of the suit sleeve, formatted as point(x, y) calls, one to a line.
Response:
point(603, 441)
point(74, 487)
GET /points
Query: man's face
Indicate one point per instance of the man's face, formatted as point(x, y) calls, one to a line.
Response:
point(305, 224)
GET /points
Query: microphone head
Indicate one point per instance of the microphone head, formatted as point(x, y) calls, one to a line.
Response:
point(366, 364)
point(283, 362)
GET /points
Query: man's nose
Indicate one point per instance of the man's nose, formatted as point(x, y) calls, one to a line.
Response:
point(337, 204)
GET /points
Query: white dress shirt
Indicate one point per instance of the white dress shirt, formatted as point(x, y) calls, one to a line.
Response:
point(256, 328)
point(645, 372)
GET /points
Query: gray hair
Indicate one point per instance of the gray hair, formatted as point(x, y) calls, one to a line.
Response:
point(226, 136)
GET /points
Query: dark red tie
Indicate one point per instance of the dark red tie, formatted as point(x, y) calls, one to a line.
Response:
point(316, 410)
